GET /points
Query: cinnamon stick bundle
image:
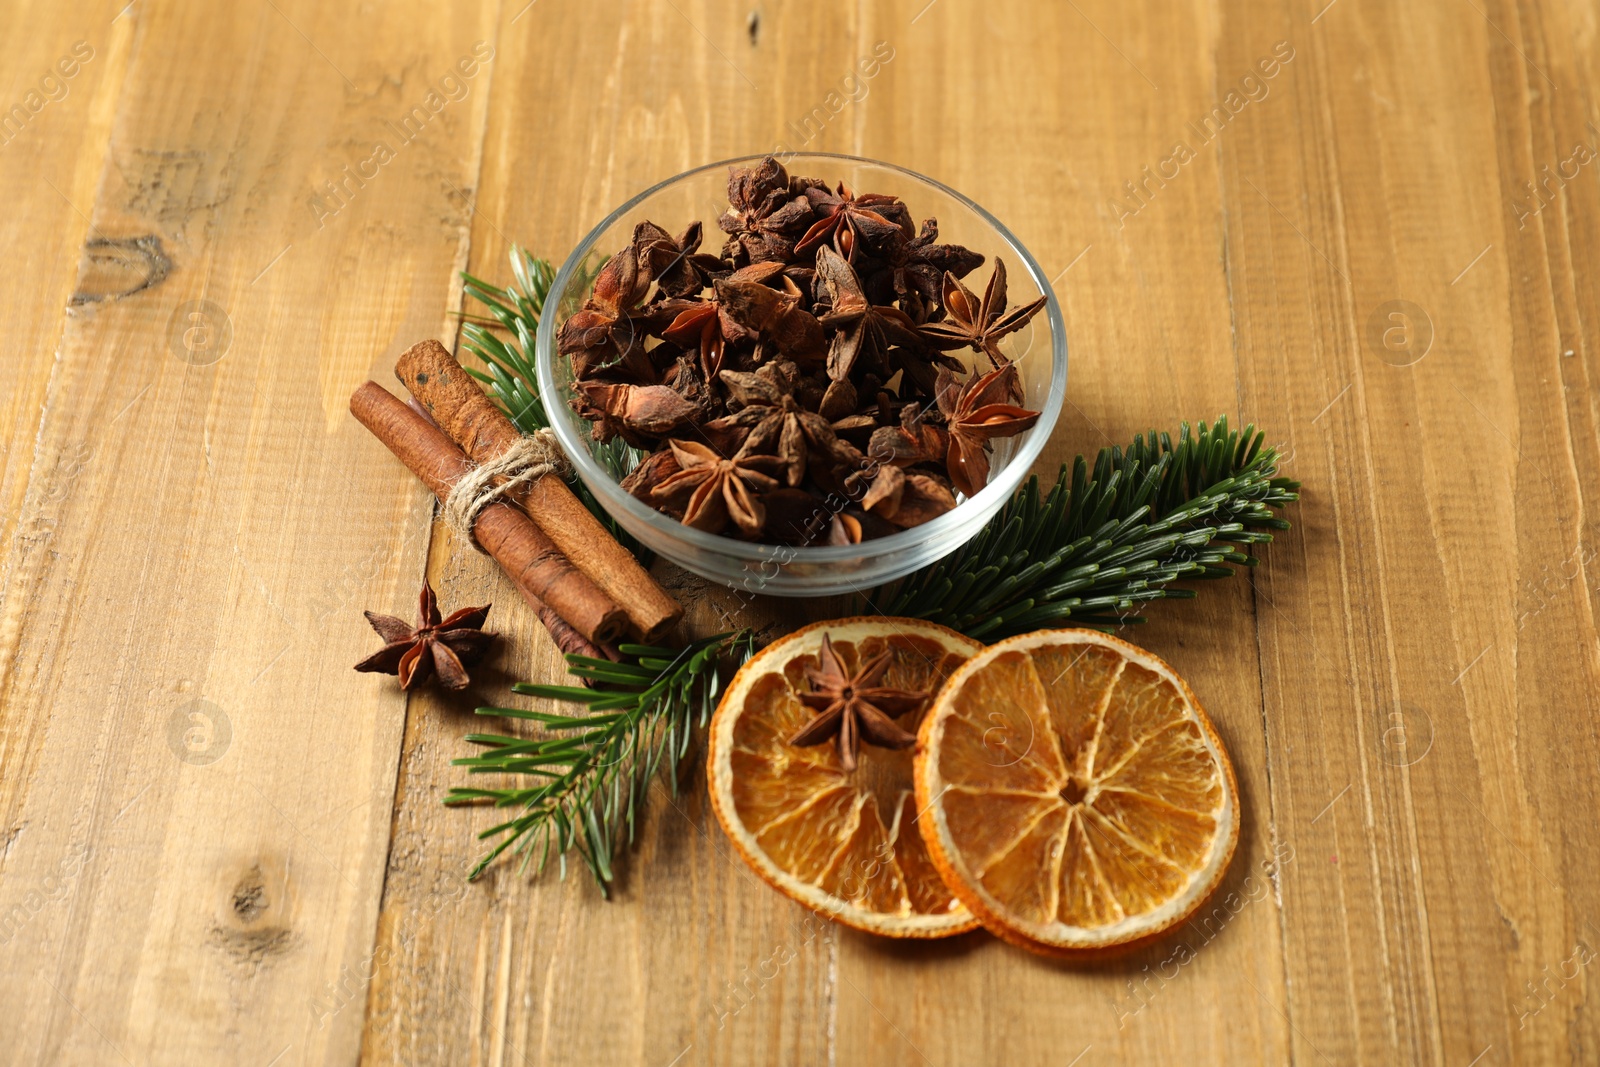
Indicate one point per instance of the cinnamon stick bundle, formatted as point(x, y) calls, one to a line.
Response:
point(569, 604)
point(472, 420)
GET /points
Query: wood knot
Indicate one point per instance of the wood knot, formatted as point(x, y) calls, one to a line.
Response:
point(115, 267)
point(250, 898)
point(252, 926)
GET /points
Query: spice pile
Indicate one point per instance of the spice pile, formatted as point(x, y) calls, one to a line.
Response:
point(800, 387)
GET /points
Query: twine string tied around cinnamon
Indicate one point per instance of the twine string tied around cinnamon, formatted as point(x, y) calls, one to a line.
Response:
point(529, 458)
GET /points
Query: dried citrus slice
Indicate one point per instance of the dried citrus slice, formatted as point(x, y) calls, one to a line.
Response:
point(844, 843)
point(1075, 796)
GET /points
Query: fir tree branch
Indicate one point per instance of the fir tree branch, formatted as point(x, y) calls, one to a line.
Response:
point(1107, 538)
point(587, 780)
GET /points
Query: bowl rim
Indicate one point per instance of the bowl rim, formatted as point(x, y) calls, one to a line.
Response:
point(610, 491)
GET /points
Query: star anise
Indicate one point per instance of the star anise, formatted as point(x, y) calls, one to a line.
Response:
point(872, 219)
point(775, 423)
point(918, 367)
point(853, 526)
point(774, 314)
point(916, 266)
point(719, 489)
point(879, 487)
point(912, 442)
point(923, 498)
point(798, 387)
point(609, 328)
point(854, 708)
point(766, 216)
point(706, 327)
point(978, 324)
point(974, 414)
point(444, 645)
point(654, 469)
point(676, 263)
point(863, 328)
point(635, 413)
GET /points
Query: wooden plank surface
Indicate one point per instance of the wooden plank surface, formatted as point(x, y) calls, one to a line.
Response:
point(218, 845)
point(196, 789)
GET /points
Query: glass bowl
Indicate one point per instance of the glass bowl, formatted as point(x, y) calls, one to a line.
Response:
point(1039, 350)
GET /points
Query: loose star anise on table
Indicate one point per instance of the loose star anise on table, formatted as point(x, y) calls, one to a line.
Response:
point(446, 646)
point(791, 388)
point(854, 708)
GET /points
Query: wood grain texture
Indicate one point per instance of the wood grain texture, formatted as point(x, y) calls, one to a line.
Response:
point(49, 162)
point(196, 790)
point(1406, 682)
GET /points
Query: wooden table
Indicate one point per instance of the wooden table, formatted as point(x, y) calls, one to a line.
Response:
point(218, 844)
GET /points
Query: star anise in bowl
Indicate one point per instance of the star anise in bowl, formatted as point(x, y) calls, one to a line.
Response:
point(827, 377)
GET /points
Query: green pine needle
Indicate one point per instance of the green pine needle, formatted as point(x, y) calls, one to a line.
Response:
point(590, 773)
point(1107, 538)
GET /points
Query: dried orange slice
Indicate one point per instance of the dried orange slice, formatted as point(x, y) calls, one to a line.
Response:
point(844, 843)
point(1075, 795)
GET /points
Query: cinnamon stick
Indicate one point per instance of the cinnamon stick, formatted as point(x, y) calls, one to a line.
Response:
point(473, 421)
point(538, 569)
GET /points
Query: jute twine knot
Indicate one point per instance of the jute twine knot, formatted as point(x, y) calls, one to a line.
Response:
point(529, 459)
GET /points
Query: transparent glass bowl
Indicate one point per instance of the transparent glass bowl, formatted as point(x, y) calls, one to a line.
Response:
point(1039, 350)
